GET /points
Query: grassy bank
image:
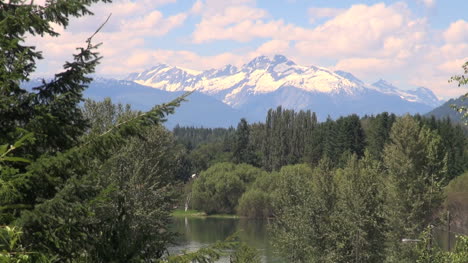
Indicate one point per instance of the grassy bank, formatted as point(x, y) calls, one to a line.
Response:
point(195, 213)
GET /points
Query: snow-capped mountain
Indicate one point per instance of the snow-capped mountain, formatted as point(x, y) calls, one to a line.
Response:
point(265, 83)
point(259, 76)
point(420, 95)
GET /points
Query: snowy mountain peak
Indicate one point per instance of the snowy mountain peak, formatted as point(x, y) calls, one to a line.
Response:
point(384, 86)
point(261, 62)
point(349, 76)
point(270, 75)
point(264, 62)
point(224, 71)
point(278, 59)
point(420, 95)
point(427, 96)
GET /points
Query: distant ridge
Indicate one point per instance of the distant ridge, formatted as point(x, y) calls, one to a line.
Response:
point(445, 110)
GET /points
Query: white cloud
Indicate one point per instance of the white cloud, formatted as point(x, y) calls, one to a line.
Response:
point(132, 22)
point(369, 65)
point(457, 32)
point(428, 3)
point(323, 12)
point(273, 47)
point(153, 24)
point(362, 30)
point(197, 7)
point(241, 23)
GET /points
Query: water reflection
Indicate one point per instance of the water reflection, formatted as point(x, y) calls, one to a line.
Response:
point(197, 232)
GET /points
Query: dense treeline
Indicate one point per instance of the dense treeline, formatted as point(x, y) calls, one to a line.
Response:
point(288, 137)
point(345, 190)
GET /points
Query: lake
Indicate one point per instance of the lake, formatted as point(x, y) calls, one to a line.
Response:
point(197, 232)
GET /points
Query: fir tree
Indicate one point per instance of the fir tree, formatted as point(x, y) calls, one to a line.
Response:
point(243, 152)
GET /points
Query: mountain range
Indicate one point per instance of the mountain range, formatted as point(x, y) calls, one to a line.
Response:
point(222, 96)
point(265, 83)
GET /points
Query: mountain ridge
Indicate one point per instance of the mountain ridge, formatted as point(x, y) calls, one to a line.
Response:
point(226, 94)
point(271, 78)
point(264, 75)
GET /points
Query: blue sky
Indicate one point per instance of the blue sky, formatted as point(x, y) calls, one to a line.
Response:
point(410, 43)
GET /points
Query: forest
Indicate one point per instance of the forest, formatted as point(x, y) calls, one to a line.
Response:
point(363, 183)
point(96, 181)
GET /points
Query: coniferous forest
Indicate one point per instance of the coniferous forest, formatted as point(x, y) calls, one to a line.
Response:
point(96, 181)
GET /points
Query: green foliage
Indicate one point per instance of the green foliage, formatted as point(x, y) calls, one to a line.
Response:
point(326, 215)
point(428, 252)
point(457, 200)
point(192, 137)
point(218, 189)
point(284, 136)
point(11, 250)
point(378, 133)
point(303, 213)
point(361, 210)
point(51, 110)
point(243, 149)
point(257, 201)
point(462, 80)
point(350, 135)
point(454, 142)
point(245, 254)
point(115, 194)
point(104, 115)
point(206, 155)
point(255, 204)
point(460, 253)
point(417, 167)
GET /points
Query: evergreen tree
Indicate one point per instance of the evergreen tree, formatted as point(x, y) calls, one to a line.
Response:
point(350, 135)
point(378, 133)
point(51, 111)
point(243, 152)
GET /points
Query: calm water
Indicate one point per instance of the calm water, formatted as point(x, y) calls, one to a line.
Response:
point(195, 233)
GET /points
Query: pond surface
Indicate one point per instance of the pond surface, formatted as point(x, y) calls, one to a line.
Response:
point(195, 233)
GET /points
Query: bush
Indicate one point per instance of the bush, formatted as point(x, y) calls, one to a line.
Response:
point(219, 188)
point(257, 201)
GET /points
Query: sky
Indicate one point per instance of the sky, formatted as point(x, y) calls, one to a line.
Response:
point(410, 43)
